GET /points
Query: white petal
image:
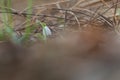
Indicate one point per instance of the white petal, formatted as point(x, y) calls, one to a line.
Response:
point(46, 31)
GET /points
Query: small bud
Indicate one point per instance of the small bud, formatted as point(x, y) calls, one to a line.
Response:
point(46, 31)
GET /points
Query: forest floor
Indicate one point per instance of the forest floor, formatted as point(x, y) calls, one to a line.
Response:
point(67, 15)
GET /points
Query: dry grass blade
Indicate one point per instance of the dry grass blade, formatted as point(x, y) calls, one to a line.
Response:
point(104, 2)
point(74, 6)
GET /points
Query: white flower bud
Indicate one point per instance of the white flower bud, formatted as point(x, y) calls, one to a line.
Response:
point(46, 31)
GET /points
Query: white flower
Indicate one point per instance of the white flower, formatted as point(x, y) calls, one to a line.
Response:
point(46, 31)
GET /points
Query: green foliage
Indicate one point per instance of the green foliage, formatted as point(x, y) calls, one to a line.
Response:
point(29, 11)
point(27, 34)
point(6, 6)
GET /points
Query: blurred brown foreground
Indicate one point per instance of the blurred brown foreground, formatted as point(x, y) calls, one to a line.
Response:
point(91, 54)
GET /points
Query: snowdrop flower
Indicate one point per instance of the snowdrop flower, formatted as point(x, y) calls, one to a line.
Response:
point(46, 31)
